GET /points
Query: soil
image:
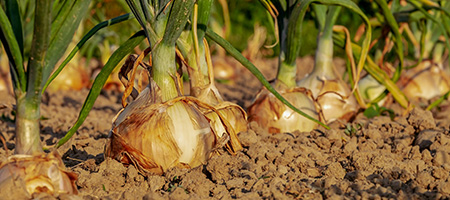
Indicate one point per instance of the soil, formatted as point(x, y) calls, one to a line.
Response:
point(407, 157)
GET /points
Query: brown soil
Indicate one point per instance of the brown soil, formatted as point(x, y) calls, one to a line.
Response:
point(404, 158)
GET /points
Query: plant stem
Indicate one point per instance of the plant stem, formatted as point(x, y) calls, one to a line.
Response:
point(28, 139)
point(323, 66)
point(324, 53)
point(28, 105)
point(287, 74)
point(198, 70)
point(287, 69)
point(164, 70)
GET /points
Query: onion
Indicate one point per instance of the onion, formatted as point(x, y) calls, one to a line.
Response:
point(331, 92)
point(427, 80)
point(275, 117)
point(5, 76)
point(155, 135)
point(224, 69)
point(42, 173)
point(73, 77)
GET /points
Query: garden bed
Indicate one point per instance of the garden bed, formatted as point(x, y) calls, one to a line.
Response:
point(404, 158)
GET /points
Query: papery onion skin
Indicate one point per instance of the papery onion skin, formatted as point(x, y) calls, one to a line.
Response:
point(42, 173)
point(155, 135)
point(427, 80)
point(271, 114)
point(150, 139)
point(336, 101)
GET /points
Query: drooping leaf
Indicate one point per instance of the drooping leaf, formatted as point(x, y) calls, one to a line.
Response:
point(100, 80)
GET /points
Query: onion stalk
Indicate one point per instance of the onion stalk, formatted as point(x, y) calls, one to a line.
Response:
point(162, 128)
point(332, 93)
point(266, 109)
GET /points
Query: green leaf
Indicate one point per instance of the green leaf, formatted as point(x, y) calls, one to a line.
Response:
point(435, 20)
point(85, 38)
point(39, 49)
point(179, 14)
point(372, 111)
point(438, 101)
point(145, 24)
point(62, 37)
point(61, 12)
point(100, 80)
point(375, 110)
point(12, 10)
point(204, 10)
point(247, 64)
point(13, 51)
point(296, 21)
point(397, 36)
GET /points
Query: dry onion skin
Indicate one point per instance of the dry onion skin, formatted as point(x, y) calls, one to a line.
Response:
point(225, 116)
point(331, 93)
point(427, 80)
point(155, 135)
point(335, 100)
point(43, 173)
point(275, 117)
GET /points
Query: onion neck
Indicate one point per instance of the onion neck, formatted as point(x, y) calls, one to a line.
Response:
point(198, 70)
point(287, 74)
point(323, 66)
point(28, 139)
point(164, 70)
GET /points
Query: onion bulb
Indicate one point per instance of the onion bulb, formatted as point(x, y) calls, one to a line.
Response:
point(427, 80)
point(331, 92)
point(275, 117)
point(332, 95)
point(72, 77)
point(224, 69)
point(155, 135)
point(43, 173)
point(204, 89)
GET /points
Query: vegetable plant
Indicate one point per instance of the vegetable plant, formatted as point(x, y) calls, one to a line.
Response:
point(54, 25)
point(429, 26)
point(163, 128)
point(319, 90)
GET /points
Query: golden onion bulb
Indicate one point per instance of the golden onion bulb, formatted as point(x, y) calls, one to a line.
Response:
point(73, 77)
point(224, 68)
point(156, 136)
point(5, 76)
point(43, 173)
point(427, 80)
point(232, 112)
point(332, 94)
point(271, 114)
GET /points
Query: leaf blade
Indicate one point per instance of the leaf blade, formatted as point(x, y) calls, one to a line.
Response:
point(100, 80)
